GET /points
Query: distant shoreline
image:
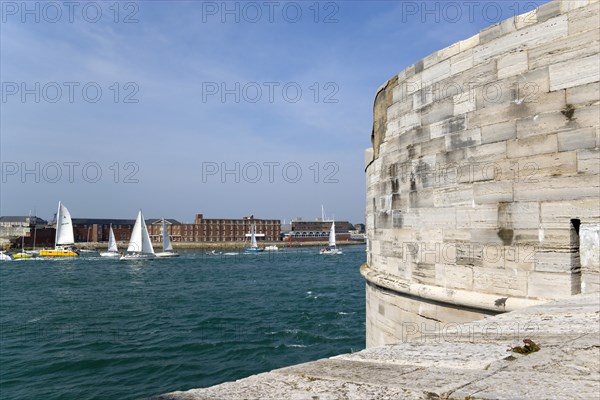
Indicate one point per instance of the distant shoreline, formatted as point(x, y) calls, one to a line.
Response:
point(200, 245)
point(221, 245)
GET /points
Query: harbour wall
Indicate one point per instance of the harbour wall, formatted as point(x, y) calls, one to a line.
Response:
point(483, 179)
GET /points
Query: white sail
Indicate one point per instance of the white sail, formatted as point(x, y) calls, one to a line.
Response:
point(112, 243)
point(135, 242)
point(253, 244)
point(140, 239)
point(165, 238)
point(332, 235)
point(146, 242)
point(64, 226)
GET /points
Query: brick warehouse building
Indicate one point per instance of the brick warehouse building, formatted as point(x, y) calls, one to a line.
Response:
point(218, 230)
point(202, 230)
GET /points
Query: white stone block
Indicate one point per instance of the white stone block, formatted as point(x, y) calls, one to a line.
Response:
point(528, 37)
point(555, 261)
point(469, 43)
point(584, 19)
point(584, 138)
point(575, 72)
point(558, 214)
point(463, 104)
point(492, 192)
point(436, 73)
point(499, 132)
point(540, 144)
point(559, 188)
point(570, 5)
point(589, 247)
point(588, 161)
point(549, 285)
point(512, 64)
point(526, 19)
point(461, 62)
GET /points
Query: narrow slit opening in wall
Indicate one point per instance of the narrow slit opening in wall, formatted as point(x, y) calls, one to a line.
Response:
point(575, 223)
point(575, 261)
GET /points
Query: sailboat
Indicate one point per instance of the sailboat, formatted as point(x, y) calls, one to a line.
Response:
point(140, 246)
point(113, 250)
point(253, 245)
point(64, 240)
point(331, 248)
point(167, 246)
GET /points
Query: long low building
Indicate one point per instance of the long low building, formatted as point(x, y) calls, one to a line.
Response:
point(202, 230)
point(317, 230)
point(217, 230)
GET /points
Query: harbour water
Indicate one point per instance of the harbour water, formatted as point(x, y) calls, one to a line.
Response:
point(92, 328)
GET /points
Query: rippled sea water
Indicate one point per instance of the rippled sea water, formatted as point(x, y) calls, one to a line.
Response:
point(92, 328)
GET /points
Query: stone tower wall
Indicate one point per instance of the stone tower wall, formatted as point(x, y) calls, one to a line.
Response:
point(483, 181)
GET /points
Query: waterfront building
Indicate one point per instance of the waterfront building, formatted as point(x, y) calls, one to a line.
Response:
point(218, 229)
point(201, 230)
point(13, 228)
point(98, 229)
point(317, 230)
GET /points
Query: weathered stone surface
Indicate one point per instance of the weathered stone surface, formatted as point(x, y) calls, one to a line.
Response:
point(548, 284)
point(501, 134)
point(588, 161)
point(532, 145)
point(546, 123)
point(530, 36)
point(548, 10)
point(560, 188)
point(586, 94)
point(567, 48)
point(512, 64)
point(577, 139)
point(584, 18)
point(574, 72)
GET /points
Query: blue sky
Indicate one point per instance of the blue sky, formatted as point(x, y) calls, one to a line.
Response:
point(221, 108)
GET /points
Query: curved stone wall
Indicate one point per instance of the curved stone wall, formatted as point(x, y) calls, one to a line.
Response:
point(483, 179)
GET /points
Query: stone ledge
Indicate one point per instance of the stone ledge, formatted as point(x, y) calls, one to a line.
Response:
point(454, 362)
point(456, 297)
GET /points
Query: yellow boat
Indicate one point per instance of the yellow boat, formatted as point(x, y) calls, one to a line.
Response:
point(58, 253)
point(64, 235)
point(21, 255)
